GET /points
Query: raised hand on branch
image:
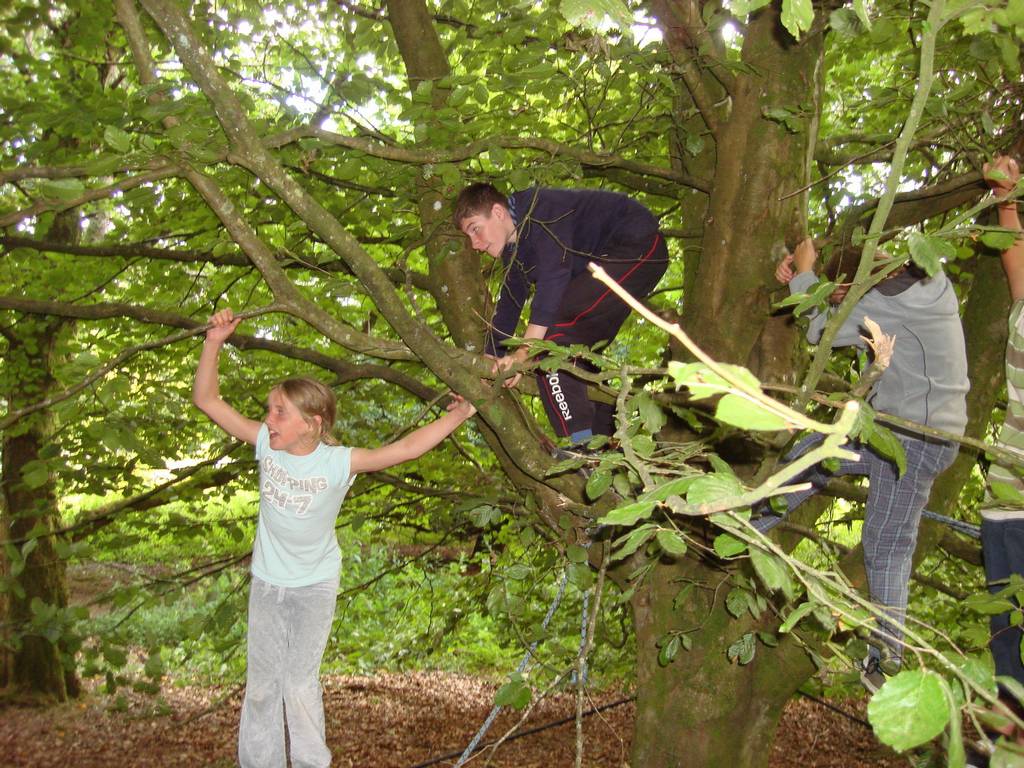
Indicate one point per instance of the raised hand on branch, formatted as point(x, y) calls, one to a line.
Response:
point(222, 325)
point(1002, 175)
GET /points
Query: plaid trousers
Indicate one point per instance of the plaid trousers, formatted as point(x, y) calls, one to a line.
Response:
point(891, 516)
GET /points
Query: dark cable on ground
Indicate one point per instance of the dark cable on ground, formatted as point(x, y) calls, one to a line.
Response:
point(602, 708)
point(836, 709)
point(528, 732)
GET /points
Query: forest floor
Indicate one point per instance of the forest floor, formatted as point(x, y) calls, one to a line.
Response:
point(387, 721)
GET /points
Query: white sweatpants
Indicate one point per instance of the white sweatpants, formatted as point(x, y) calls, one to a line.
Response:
point(288, 631)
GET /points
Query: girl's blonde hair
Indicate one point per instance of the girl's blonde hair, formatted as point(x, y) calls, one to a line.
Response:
point(312, 398)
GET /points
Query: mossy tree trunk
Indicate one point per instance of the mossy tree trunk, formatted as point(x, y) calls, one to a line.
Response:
point(702, 709)
point(37, 666)
point(40, 662)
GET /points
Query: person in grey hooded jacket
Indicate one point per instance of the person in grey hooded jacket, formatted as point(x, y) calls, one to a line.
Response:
point(925, 382)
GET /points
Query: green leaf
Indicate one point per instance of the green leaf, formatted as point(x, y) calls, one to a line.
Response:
point(598, 482)
point(676, 487)
point(117, 139)
point(955, 755)
point(910, 709)
point(797, 16)
point(28, 548)
point(928, 251)
point(671, 542)
point(668, 651)
point(581, 577)
point(713, 487)
point(736, 601)
point(742, 412)
point(154, 667)
point(485, 515)
point(35, 474)
point(771, 571)
point(998, 240)
point(772, 641)
point(845, 22)
point(62, 189)
point(633, 541)
point(651, 414)
point(795, 615)
point(746, 7)
point(515, 694)
point(727, 546)
point(742, 651)
point(576, 554)
point(988, 604)
point(629, 514)
point(1006, 492)
point(703, 382)
point(518, 571)
point(888, 446)
point(116, 657)
point(861, 10)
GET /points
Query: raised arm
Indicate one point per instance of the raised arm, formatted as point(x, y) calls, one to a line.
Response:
point(413, 445)
point(206, 389)
point(1003, 182)
point(797, 271)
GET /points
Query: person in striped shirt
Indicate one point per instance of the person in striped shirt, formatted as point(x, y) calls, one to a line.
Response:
point(1002, 518)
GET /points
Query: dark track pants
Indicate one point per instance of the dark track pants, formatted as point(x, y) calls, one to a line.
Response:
point(592, 314)
point(1002, 547)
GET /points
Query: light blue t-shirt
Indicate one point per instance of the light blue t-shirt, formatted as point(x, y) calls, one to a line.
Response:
point(300, 497)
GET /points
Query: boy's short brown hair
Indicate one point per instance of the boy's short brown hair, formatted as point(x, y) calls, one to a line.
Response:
point(476, 199)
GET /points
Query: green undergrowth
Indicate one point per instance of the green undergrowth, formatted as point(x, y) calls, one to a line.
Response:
point(168, 590)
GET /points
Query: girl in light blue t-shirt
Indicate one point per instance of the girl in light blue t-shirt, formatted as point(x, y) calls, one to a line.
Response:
point(304, 476)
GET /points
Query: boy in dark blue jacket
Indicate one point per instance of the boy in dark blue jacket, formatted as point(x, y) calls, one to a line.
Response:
point(545, 239)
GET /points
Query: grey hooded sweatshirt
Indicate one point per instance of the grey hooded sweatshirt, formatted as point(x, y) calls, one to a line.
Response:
point(926, 381)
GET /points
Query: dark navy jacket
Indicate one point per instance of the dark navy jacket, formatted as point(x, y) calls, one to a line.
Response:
point(559, 232)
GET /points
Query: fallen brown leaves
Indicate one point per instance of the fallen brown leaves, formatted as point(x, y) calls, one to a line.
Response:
point(384, 721)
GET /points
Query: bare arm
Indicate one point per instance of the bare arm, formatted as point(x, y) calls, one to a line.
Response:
point(1013, 257)
point(413, 445)
point(206, 389)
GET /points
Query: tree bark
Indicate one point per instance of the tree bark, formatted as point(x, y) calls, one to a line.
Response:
point(36, 666)
point(703, 709)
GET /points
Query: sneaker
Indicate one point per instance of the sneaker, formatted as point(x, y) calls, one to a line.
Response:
point(871, 675)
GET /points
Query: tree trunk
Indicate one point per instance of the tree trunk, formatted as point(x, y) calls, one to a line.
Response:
point(703, 709)
point(755, 208)
point(38, 666)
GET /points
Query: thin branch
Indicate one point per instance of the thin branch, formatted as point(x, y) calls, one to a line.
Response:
point(13, 416)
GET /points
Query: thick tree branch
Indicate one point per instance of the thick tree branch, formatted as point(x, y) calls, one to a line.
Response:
point(188, 256)
point(344, 371)
point(234, 122)
point(685, 32)
point(420, 156)
point(12, 416)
